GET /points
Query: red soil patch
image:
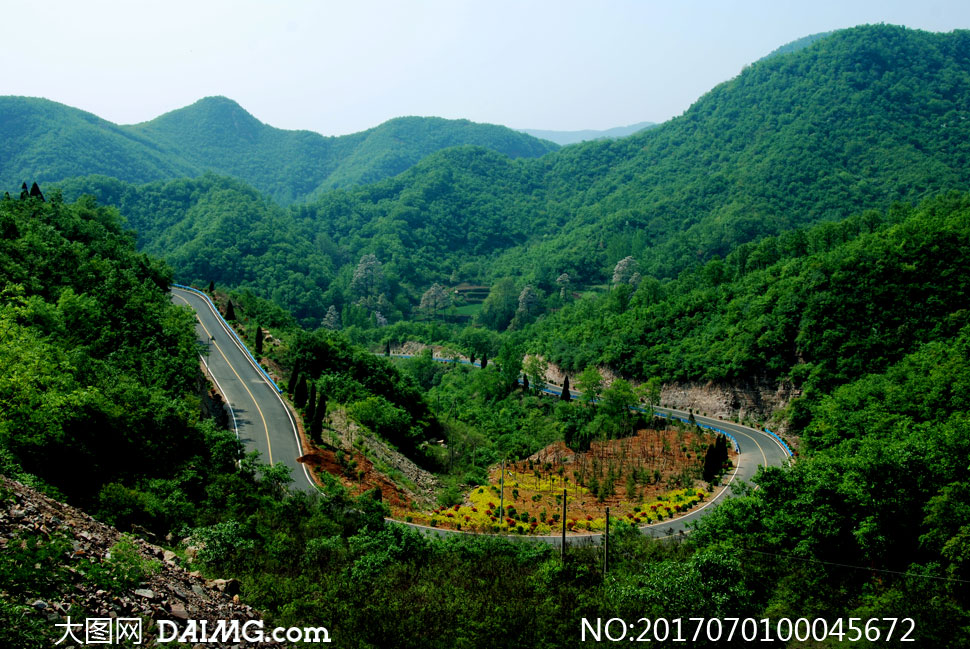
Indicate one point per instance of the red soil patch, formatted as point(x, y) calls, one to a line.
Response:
point(325, 460)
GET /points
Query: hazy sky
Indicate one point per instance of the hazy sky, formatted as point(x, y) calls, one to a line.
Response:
point(339, 67)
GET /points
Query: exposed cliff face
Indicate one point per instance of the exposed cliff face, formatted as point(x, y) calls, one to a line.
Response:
point(56, 562)
point(758, 402)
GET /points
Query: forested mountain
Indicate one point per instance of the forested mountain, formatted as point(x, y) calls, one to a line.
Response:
point(216, 134)
point(42, 140)
point(797, 44)
point(798, 225)
point(854, 121)
point(572, 137)
point(816, 307)
point(46, 141)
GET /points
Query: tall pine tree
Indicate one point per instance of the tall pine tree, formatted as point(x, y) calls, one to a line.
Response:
point(316, 424)
point(311, 403)
point(294, 377)
point(300, 394)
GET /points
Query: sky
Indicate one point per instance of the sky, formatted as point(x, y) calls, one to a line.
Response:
point(342, 67)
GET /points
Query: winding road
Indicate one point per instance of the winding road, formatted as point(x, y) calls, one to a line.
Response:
point(264, 423)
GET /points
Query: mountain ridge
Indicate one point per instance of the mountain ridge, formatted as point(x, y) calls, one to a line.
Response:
point(49, 142)
point(859, 120)
point(565, 138)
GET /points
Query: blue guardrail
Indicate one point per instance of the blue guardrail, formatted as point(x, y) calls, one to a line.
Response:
point(233, 332)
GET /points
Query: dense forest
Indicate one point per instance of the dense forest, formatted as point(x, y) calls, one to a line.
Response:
point(868, 521)
point(858, 120)
point(47, 141)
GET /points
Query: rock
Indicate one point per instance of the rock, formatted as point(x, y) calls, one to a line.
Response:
point(199, 590)
point(143, 533)
point(145, 592)
point(227, 586)
point(179, 611)
point(40, 605)
point(169, 556)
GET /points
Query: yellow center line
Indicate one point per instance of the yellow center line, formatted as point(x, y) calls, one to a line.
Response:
point(269, 446)
point(763, 456)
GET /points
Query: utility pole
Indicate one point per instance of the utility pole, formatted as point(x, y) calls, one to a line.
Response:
point(562, 548)
point(501, 505)
point(606, 545)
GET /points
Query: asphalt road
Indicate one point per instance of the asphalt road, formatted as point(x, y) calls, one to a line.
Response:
point(262, 421)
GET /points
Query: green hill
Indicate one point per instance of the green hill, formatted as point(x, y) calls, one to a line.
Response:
point(50, 142)
point(41, 140)
point(858, 120)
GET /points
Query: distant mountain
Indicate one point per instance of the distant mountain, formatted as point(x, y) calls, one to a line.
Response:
point(48, 142)
point(572, 137)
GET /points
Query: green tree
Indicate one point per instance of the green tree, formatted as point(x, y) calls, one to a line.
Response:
point(499, 307)
point(331, 320)
point(311, 403)
point(618, 399)
point(319, 413)
point(300, 393)
point(535, 368)
point(649, 392)
point(590, 384)
point(510, 364)
point(434, 300)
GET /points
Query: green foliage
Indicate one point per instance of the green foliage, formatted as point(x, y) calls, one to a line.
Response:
point(220, 543)
point(744, 162)
point(818, 307)
point(53, 142)
point(882, 488)
point(123, 567)
point(376, 394)
point(98, 366)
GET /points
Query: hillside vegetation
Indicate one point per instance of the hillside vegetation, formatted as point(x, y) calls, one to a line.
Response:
point(858, 120)
point(46, 141)
point(815, 307)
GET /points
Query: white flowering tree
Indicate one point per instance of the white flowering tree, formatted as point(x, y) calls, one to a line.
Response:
point(434, 300)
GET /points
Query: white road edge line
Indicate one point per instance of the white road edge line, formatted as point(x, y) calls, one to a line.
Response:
point(296, 434)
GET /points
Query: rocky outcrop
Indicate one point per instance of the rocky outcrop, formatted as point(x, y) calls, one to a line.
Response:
point(166, 591)
point(745, 402)
point(752, 402)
